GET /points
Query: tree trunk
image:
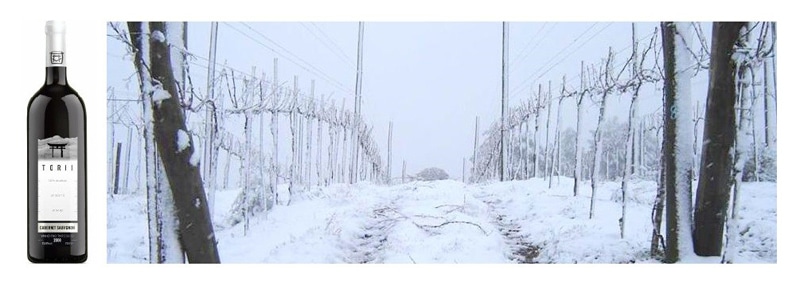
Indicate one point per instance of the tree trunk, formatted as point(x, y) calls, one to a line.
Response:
point(520, 159)
point(227, 171)
point(309, 135)
point(344, 167)
point(626, 171)
point(641, 150)
point(608, 164)
point(716, 165)
point(167, 121)
point(598, 151)
point(557, 167)
point(696, 121)
point(389, 157)
point(750, 104)
point(196, 232)
point(294, 131)
point(630, 134)
point(536, 132)
point(633, 149)
point(170, 249)
point(320, 173)
point(116, 168)
point(210, 150)
point(163, 243)
point(770, 115)
point(404, 172)
point(745, 98)
point(677, 130)
point(527, 155)
point(273, 127)
point(547, 159)
point(300, 126)
point(557, 150)
point(125, 177)
point(504, 106)
point(464, 170)
point(332, 152)
point(246, 201)
point(577, 171)
point(353, 173)
point(510, 162)
point(474, 177)
point(578, 152)
point(657, 240)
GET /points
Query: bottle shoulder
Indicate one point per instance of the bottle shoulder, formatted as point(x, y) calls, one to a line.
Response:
point(56, 91)
point(51, 93)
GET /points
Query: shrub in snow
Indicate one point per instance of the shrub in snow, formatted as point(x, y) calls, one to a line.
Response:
point(432, 173)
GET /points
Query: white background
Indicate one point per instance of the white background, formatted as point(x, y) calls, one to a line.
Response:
point(22, 73)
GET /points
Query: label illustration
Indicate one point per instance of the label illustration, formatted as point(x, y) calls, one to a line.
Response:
point(58, 185)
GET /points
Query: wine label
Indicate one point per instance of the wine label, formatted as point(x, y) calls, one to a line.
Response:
point(58, 185)
point(69, 227)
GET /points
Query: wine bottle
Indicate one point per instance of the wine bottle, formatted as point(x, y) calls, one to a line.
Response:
point(56, 162)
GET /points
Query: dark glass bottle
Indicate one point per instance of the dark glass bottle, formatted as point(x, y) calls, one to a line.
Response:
point(56, 163)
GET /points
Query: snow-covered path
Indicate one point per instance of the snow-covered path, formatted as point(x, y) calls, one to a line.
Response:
point(416, 222)
point(522, 249)
point(553, 226)
point(443, 222)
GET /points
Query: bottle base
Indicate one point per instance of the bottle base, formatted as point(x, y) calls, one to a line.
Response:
point(60, 259)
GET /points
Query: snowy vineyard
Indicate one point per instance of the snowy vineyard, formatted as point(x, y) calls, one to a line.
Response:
point(250, 168)
point(225, 131)
point(720, 145)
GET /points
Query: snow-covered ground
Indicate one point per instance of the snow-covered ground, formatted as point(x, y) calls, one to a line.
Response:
point(446, 222)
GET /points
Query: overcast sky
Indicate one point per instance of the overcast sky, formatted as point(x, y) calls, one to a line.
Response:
point(430, 79)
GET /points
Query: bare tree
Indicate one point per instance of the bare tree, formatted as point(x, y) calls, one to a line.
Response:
point(638, 76)
point(606, 83)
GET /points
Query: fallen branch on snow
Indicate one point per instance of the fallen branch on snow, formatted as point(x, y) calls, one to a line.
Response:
point(425, 226)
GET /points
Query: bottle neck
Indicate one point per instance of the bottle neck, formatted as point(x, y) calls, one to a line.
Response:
point(56, 67)
point(55, 76)
point(56, 49)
